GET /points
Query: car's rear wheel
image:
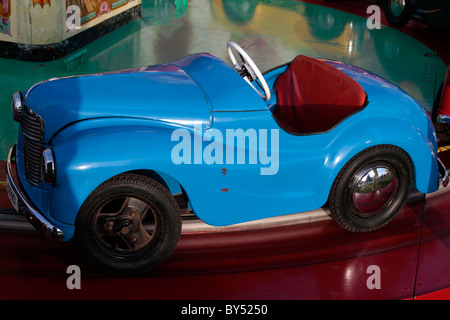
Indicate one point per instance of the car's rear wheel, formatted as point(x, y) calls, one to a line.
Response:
point(129, 225)
point(371, 188)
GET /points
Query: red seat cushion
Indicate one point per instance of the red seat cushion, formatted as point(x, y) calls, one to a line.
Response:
point(314, 96)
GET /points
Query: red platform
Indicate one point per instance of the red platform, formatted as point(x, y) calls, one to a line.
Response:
point(313, 259)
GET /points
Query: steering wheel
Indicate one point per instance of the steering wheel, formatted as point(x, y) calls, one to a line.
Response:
point(248, 70)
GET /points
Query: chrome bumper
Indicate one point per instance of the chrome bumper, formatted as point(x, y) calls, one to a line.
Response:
point(23, 205)
point(444, 177)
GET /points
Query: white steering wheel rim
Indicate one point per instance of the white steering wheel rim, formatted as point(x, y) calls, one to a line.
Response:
point(252, 68)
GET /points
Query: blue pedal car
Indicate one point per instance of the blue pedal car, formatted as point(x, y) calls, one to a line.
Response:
point(111, 160)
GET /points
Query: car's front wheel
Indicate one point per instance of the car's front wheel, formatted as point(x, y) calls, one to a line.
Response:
point(371, 188)
point(129, 225)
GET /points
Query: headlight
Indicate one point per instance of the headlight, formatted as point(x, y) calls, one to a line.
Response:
point(16, 106)
point(48, 166)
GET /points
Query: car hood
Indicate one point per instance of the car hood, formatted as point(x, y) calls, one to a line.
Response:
point(161, 93)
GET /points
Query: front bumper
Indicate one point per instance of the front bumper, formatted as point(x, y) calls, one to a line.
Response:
point(23, 205)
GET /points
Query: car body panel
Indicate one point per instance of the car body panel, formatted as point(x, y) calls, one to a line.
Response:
point(95, 143)
point(135, 94)
point(188, 89)
point(222, 85)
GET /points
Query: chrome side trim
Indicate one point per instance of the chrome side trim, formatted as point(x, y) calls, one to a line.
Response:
point(28, 210)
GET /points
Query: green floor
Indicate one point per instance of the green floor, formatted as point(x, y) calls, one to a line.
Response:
point(274, 31)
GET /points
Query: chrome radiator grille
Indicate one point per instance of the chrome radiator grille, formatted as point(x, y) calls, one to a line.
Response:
point(33, 136)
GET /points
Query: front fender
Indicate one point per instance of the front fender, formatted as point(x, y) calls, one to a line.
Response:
point(83, 164)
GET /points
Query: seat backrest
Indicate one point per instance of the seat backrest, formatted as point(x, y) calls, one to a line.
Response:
point(313, 96)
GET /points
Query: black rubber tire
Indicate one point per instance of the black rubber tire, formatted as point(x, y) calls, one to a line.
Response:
point(340, 200)
point(401, 19)
point(163, 241)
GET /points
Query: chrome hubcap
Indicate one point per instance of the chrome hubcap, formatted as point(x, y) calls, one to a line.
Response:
point(397, 7)
point(373, 189)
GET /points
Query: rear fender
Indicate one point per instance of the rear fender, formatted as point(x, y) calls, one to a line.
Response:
point(420, 146)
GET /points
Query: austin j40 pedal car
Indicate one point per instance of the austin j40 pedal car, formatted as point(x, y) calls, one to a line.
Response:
point(106, 169)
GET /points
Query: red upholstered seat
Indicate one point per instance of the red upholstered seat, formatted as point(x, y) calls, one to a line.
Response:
point(314, 96)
